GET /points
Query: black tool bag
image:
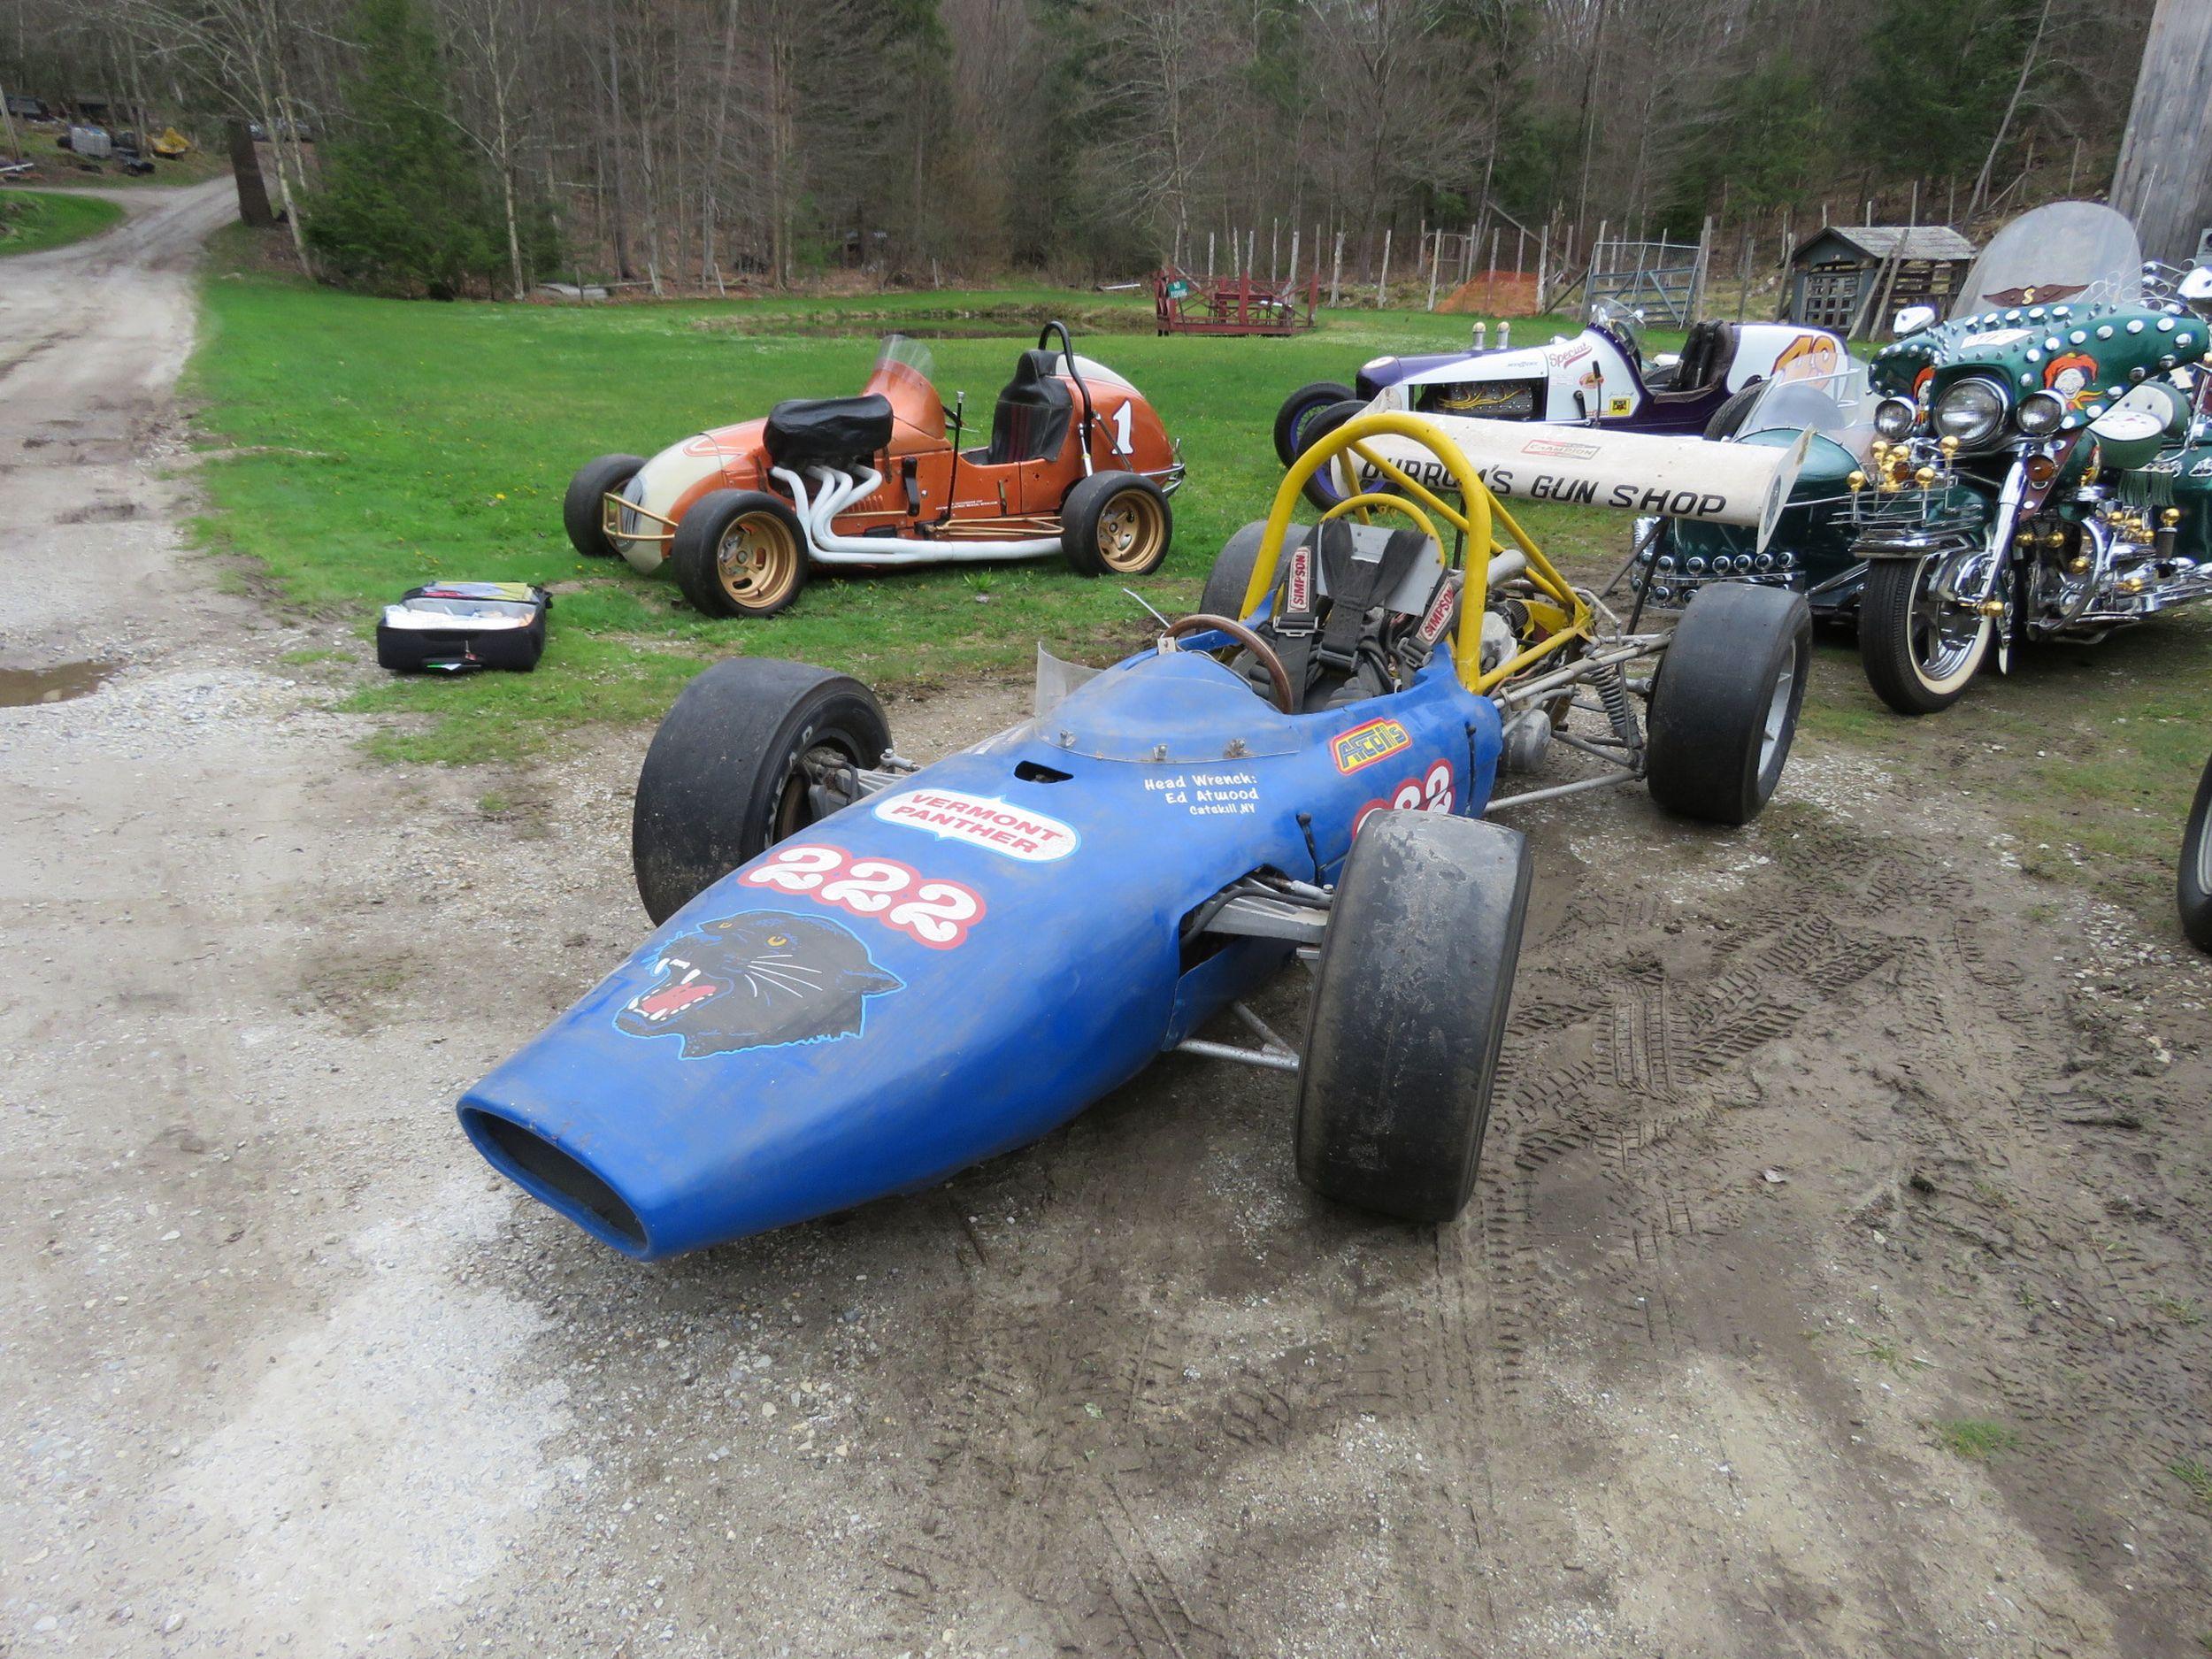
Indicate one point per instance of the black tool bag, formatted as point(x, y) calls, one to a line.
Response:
point(457, 627)
point(828, 431)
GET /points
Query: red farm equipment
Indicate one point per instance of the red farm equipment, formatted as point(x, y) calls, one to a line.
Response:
point(1186, 304)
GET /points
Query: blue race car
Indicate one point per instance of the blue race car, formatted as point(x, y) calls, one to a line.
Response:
point(866, 976)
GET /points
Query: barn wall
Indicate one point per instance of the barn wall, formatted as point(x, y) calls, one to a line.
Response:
point(2164, 179)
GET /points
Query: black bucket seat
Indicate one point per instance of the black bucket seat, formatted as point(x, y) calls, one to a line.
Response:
point(1708, 353)
point(1031, 420)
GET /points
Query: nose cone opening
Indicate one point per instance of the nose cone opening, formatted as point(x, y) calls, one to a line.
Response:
point(556, 1178)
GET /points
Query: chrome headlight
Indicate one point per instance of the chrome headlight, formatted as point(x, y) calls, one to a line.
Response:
point(1894, 417)
point(2039, 414)
point(1971, 412)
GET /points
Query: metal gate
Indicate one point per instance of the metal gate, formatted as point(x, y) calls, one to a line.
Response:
point(1660, 278)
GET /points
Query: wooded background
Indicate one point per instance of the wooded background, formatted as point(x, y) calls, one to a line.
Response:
point(699, 143)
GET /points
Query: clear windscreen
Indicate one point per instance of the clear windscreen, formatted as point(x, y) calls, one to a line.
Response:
point(912, 354)
point(1623, 323)
point(1839, 406)
point(2070, 250)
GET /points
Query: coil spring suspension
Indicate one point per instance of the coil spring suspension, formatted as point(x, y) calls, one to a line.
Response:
point(1612, 689)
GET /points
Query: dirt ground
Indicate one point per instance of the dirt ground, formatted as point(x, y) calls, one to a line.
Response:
point(1831, 1152)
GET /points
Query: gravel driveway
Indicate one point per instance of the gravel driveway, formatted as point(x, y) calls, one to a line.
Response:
point(1820, 1146)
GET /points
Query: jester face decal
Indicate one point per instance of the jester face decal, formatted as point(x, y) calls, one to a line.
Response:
point(2073, 376)
point(755, 981)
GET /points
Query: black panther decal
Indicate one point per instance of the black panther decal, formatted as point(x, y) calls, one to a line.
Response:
point(756, 981)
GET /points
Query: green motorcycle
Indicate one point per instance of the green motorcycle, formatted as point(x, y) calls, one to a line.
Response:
point(2042, 467)
point(2039, 466)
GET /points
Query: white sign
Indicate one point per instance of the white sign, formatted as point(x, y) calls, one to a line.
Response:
point(1742, 484)
point(988, 822)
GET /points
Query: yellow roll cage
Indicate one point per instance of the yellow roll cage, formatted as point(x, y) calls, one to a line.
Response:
point(1476, 518)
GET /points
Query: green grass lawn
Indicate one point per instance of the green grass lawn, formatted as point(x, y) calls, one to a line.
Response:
point(401, 443)
point(34, 219)
point(395, 442)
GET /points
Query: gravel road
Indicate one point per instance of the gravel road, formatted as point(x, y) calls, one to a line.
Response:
point(1816, 1142)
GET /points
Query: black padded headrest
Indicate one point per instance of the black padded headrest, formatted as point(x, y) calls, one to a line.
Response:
point(801, 430)
point(1041, 363)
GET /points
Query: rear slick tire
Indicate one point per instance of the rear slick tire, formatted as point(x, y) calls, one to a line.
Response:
point(1912, 667)
point(1115, 524)
point(724, 779)
point(1409, 1001)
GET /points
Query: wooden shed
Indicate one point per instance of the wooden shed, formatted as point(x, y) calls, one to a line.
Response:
point(1841, 277)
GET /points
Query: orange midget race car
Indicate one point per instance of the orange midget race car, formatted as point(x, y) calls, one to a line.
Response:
point(1078, 464)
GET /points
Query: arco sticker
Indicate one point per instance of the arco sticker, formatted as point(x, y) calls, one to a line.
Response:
point(1364, 745)
point(929, 910)
point(994, 824)
point(1431, 792)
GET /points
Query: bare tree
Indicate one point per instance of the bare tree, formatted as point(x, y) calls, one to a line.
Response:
point(495, 43)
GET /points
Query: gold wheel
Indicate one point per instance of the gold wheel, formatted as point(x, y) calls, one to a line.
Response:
point(757, 562)
point(1131, 530)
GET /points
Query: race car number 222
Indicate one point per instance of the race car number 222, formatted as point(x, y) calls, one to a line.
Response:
point(930, 911)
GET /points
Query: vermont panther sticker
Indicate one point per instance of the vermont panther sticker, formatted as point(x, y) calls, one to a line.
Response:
point(757, 980)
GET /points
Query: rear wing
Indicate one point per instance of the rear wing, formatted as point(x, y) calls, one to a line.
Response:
point(1743, 484)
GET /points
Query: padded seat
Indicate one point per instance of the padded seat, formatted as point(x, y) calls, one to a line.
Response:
point(828, 431)
point(1708, 354)
point(1031, 422)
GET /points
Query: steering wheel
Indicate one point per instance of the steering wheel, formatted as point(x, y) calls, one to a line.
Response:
point(1203, 622)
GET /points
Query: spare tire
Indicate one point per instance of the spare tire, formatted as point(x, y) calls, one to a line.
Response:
point(1729, 415)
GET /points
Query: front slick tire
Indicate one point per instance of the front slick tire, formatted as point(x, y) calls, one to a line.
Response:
point(727, 778)
point(1724, 707)
point(2195, 882)
point(1410, 1004)
point(1919, 651)
point(1115, 524)
point(739, 553)
point(582, 508)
